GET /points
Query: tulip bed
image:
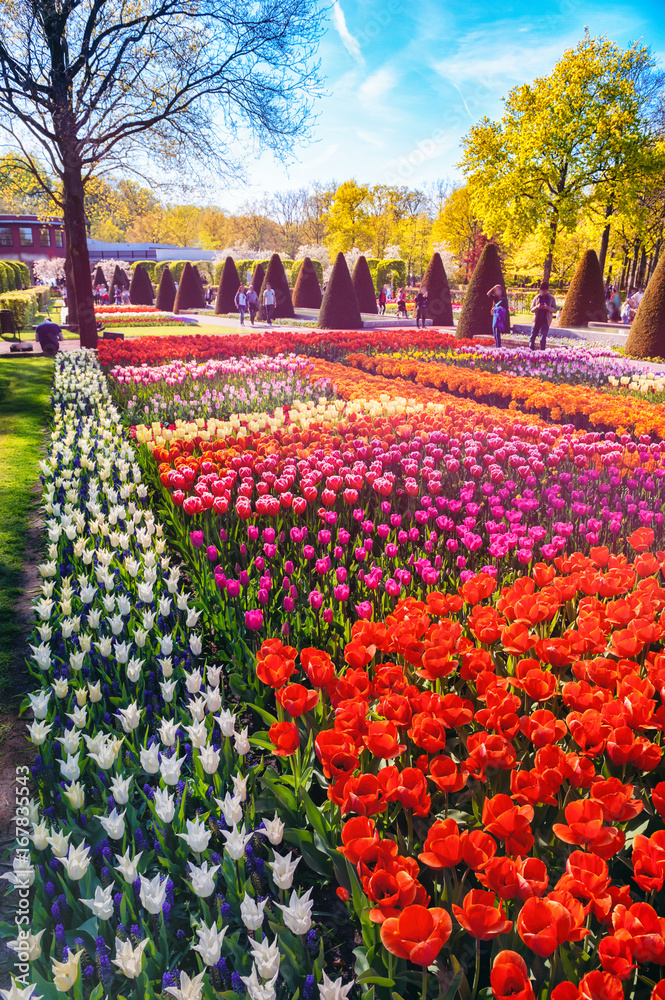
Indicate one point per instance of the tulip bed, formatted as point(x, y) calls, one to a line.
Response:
point(422, 652)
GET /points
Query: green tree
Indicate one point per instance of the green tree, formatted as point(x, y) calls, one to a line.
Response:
point(457, 224)
point(562, 140)
point(347, 217)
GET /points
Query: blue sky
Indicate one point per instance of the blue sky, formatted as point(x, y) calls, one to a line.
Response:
point(406, 78)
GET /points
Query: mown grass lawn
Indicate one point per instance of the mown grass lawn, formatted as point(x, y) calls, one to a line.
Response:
point(25, 384)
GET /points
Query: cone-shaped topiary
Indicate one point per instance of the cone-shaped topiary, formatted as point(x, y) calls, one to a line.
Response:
point(258, 278)
point(199, 280)
point(189, 294)
point(276, 277)
point(647, 334)
point(585, 300)
point(340, 309)
point(439, 306)
point(140, 290)
point(228, 286)
point(120, 277)
point(364, 286)
point(307, 293)
point(99, 278)
point(166, 291)
point(476, 317)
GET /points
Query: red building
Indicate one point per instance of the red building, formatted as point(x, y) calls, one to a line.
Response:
point(28, 238)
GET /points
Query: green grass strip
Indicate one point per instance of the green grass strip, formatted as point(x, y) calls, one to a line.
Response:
point(25, 385)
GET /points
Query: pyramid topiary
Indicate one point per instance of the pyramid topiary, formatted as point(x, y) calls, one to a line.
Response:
point(199, 280)
point(228, 286)
point(140, 290)
point(364, 286)
point(276, 277)
point(476, 317)
point(120, 277)
point(585, 300)
point(99, 278)
point(340, 309)
point(439, 306)
point(307, 293)
point(647, 334)
point(189, 294)
point(258, 277)
point(166, 291)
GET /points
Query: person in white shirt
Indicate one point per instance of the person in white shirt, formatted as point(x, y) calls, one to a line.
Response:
point(269, 303)
point(241, 303)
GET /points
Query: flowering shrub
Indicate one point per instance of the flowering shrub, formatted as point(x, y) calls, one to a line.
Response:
point(494, 757)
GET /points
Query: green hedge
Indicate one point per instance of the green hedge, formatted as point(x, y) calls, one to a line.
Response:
point(13, 274)
point(242, 267)
point(176, 267)
point(388, 271)
point(25, 304)
point(295, 271)
point(149, 266)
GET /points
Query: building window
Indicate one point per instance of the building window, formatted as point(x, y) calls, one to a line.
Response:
point(6, 239)
point(25, 233)
point(44, 237)
point(58, 237)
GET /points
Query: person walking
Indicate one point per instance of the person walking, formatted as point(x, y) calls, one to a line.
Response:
point(241, 303)
point(401, 303)
point(614, 306)
point(500, 312)
point(252, 303)
point(118, 295)
point(382, 302)
point(543, 307)
point(269, 302)
point(420, 302)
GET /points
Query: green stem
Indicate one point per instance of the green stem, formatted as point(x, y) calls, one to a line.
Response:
point(476, 971)
point(553, 972)
point(423, 992)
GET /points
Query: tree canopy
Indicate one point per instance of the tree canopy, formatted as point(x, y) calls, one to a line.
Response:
point(581, 133)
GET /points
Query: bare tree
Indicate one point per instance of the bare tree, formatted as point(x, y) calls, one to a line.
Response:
point(289, 210)
point(91, 83)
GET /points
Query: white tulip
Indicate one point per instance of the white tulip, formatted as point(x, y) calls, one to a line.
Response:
point(27, 945)
point(209, 946)
point(298, 913)
point(70, 741)
point(231, 808)
point(256, 990)
point(153, 893)
point(124, 604)
point(266, 957)
point(241, 742)
point(150, 759)
point(197, 733)
point(77, 861)
point(164, 805)
point(129, 959)
point(168, 731)
point(251, 912)
point(165, 607)
point(102, 903)
point(39, 703)
point(166, 665)
point(329, 990)
point(66, 973)
point(213, 697)
point(128, 867)
point(130, 717)
point(104, 646)
point(197, 709)
point(134, 669)
point(95, 691)
point(197, 837)
point(195, 644)
point(193, 681)
point(59, 842)
point(168, 687)
point(116, 622)
point(283, 870)
point(236, 840)
point(79, 717)
point(193, 617)
point(170, 768)
point(209, 758)
point(122, 651)
point(189, 989)
point(39, 836)
point(69, 768)
point(203, 879)
point(149, 619)
point(239, 786)
point(120, 789)
point(61, 687)
point(38, 732)
point(81, 696)
point(75, 795)
point(166, 645)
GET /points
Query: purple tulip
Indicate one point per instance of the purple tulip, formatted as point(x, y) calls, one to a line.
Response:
point(254, 619)
point(196, 538)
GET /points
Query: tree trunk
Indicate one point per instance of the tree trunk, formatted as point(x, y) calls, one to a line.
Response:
point(74, 196)
point(605, 238)
point(72, 309)
point(547, 265)
point(641, 274)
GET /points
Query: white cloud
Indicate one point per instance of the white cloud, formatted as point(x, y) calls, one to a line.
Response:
point(349, 41)
point(375, 87)
point(371, 139)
